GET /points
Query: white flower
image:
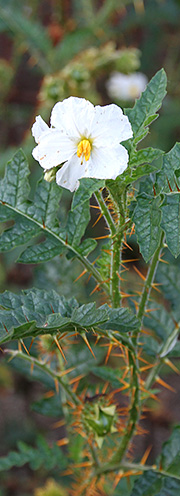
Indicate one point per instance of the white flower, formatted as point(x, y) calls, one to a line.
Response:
point(85, 139)
point(126, 87)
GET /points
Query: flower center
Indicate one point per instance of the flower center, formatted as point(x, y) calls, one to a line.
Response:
point(84, 149)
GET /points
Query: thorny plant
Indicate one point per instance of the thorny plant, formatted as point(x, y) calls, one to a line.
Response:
point(88, 355)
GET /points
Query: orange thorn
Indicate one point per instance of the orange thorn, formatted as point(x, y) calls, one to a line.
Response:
point(97, 220)
point(19, 346)
point(24, 346)
point(102, 237)
point(95, 289)
point(107, 251)
point(94, 206)
point(117, 479)
point(145, 456)
point(142, 369)
point(164, 384)
point(67, 371)
point(105, 387)
point(5, 327)
point(83, 464)
point(156, 289)
point(130, 260)
point(121, 279)
point(130, 248)
point(32, 367)
point(49, 394)
point(151, 310)
point(67, 472)
point(82, 274)
point(171, 365)
point(169, 184)
point(56, 385)
point(76, 379)
point(32, 341)
point(139, 273)
point(108, 353)
point(132, 230)
point(88, 345)
point(60, 423)
point(60, 349)
point(62, 442)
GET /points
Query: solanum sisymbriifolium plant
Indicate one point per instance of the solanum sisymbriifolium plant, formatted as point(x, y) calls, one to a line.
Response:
point(71, 346)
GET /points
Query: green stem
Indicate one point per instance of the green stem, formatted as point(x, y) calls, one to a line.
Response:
point(133, 412)
point(42, 366)
point(105, 212)
point(120, 209)
point(134, 467)
point(115, 265)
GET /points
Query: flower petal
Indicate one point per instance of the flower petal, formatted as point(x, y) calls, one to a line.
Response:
point(53, 149)
point(72, 117)
point(38, 128)
point(106, 163)
point(110, 125)
point(68, 175)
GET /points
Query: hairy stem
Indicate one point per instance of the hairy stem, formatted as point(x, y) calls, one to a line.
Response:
point(134, 468)
point(105, 212)
point(120, 209)
point(133, 411)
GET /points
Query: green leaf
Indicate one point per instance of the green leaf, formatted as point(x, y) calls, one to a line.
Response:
point(50, 407)
point(14, 187)
point(168, 178)
point(87, 187)
point(152, 484)
point(144, 156)
point(38, 217)
point(76, 223)
point(171, 222)
point(42, 456)
point(87, 315)
point(166, 332)
point(159, 320)
point(146, 107)
point(170, 456)
point(168, 276)
point(122, 320)
point(37, 312)
point(107, 374)
point(43, 252)
point(131, 175)
point(147, 217)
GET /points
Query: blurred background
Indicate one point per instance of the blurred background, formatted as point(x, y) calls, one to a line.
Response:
point(105, 51)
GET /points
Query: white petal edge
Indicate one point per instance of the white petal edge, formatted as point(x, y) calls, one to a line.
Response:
point(108, 163)
point(38, 128)
point(53, 149)
point(70, 172)
point(73, 117)
point(110, 125)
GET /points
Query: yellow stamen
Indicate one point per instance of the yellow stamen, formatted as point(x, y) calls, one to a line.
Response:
point(84, 149)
